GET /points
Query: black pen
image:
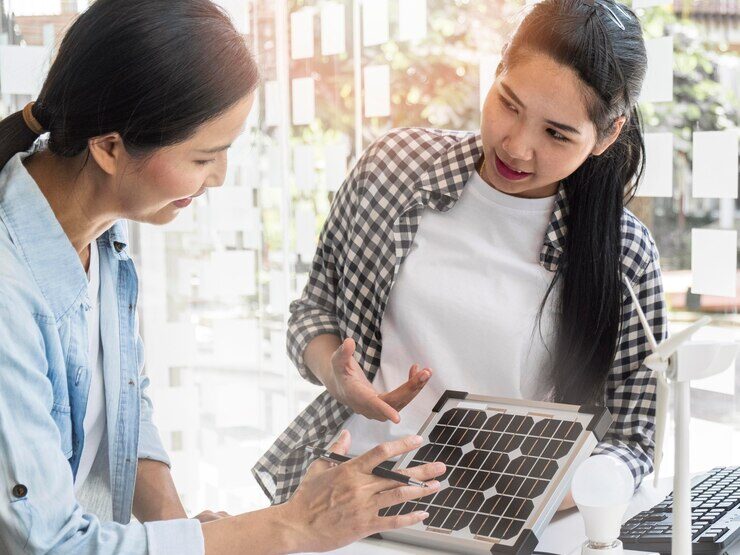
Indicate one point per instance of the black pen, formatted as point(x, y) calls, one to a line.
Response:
point(378, 470)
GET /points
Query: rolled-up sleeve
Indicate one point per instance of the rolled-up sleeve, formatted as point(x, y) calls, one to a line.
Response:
point(315, 313)
point(39, 512)
point(631, 389)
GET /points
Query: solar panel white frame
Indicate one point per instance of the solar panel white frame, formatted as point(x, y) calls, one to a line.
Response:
point(594, 421)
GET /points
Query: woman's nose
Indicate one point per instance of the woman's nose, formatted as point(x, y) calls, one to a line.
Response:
point(517, 146)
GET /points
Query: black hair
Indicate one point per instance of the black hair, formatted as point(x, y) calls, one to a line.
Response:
point(151, 70)
point(611, 62)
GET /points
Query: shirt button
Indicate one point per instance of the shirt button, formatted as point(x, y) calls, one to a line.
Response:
point(19, 490)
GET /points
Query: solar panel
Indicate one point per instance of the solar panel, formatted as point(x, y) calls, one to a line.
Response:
point(509, 466)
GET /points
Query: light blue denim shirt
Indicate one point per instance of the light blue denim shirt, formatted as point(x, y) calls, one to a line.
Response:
point(44, 383)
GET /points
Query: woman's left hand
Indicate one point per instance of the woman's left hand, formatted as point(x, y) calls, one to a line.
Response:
point(208, 516)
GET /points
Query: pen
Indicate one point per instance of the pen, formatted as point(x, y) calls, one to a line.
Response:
point(378, 471)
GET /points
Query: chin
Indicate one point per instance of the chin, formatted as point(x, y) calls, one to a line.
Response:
point(164, 216)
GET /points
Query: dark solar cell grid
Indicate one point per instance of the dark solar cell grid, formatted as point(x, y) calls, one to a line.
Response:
point(496, 467)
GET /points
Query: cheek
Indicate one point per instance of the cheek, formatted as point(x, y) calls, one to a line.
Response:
point(172, 181)
point(493, 124)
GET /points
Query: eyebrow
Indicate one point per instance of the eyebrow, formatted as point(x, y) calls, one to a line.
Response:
point(561, 126)
point(214, 150)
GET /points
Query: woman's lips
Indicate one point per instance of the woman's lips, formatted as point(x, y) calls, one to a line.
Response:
point(183, 202)
point(507, 173)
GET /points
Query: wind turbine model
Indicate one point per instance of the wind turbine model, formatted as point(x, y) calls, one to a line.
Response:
point(674, 363)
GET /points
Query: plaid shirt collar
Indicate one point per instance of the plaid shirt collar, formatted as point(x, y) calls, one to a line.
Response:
point(449, 174)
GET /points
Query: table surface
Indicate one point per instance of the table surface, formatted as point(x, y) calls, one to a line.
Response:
point(565, 534)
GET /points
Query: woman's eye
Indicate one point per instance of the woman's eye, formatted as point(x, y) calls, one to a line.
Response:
point(558, 137)
point(507, 104)
point(204, 162)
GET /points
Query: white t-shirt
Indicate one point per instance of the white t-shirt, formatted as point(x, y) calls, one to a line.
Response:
point(95, 418)
point(464, 304)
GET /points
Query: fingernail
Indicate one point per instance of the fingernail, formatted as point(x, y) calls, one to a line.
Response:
point(434, 484)
point(416, 440)
point(423, 514)
point(440, 466)
point(424, 376)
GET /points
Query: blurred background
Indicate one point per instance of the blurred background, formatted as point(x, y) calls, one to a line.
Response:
point(216, 283)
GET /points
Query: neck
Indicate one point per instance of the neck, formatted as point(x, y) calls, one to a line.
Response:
point(73, 191)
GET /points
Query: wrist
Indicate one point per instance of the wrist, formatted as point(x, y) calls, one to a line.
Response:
point(289, 536)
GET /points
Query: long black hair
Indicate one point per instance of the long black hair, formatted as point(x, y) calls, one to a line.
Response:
point(151, 70)
point(611, 61)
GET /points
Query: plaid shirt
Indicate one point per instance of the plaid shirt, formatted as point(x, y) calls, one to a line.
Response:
point(365, 239)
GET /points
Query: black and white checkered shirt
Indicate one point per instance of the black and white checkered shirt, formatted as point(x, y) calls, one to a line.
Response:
point(366, 238)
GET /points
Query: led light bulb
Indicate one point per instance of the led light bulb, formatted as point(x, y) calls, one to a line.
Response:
point(602, 488)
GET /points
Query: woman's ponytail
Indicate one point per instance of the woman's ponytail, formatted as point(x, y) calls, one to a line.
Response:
point(16, 135)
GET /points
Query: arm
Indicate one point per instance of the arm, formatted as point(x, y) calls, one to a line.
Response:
point(315, 314)
point(155, 495)
point(44, 516)
point(333, 506)
point(630, 395)
point(314, 336)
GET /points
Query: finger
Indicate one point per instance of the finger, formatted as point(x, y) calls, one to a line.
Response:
point(424, 472)
point(400, 521)
point(340, 446)
point(369, 460)
point(405, 393)
point(346, 349)
point(378, 409)
point(395, 496)
point(413, 371)
point(206, 516)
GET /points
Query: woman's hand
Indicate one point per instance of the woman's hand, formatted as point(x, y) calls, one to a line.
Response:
point(347, 383)
point(336, 505)
point(210, 516)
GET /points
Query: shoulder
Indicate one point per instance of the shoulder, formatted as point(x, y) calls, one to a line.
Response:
point(638, 247)
point(19, 295)
point(401, 156)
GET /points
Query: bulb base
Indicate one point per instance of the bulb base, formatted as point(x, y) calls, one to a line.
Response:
point(594, 548)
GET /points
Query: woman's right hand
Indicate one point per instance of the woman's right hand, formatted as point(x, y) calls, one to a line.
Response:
point(347, 383)
point(336, 505)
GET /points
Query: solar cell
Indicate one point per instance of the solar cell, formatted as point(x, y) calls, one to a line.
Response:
point(509, 464)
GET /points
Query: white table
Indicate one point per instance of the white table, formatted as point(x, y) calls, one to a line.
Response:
point(563, 536)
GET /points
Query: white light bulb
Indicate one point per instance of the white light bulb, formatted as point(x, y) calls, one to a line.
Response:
point(602, 488)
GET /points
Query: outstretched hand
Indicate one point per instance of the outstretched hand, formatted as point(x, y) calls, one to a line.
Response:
point(349, 385)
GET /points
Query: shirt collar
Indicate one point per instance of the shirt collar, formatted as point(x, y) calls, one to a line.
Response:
point(34, 229)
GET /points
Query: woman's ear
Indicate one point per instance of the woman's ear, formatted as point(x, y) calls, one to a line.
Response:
point(607, 141)
point(107, 151)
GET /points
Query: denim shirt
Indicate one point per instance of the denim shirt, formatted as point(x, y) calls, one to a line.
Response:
point(45, 378)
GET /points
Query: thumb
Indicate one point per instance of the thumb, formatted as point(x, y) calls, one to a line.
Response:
point(341, 445)
point(348, 347)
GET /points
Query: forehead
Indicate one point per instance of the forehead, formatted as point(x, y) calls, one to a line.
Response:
point(224, 127)
point(548, 89)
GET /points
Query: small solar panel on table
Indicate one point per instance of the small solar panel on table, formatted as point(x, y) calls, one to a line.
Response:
point(496, 466)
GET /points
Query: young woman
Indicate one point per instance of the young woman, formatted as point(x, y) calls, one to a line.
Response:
point(140, 104)
point(496, 258)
